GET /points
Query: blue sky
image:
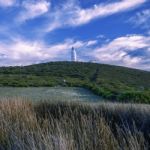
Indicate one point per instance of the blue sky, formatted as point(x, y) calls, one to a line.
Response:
point(106, 31)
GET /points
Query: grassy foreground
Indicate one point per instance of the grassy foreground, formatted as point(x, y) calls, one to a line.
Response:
point(73, 126)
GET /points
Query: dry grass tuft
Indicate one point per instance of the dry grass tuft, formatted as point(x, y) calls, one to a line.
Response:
point(73, 126)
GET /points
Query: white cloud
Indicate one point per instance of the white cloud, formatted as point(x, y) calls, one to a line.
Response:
point(85, 15)
point(21, 52)
point(119, 52)
point(141, 19)
point(92, 42)
point(71, 14)
point(7, 3)
point(100, 36)
point(33, 9)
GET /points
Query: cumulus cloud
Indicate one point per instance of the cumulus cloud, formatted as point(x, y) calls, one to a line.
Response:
point(33, 9)
point(21, 52)
point(7, 3)
point(131, 51)
point(71, 14)
point(123, 51)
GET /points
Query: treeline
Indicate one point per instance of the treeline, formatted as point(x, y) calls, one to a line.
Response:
point(111, 82)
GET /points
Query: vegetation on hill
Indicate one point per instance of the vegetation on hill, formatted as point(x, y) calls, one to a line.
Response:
point(111, 82)
point(73, 126)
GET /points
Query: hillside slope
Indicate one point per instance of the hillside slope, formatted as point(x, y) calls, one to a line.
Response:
point(111, 82)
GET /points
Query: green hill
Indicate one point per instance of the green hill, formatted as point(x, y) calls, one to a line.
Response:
point(111, 82)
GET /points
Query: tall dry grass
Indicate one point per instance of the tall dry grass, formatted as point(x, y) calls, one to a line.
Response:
point(73, 126)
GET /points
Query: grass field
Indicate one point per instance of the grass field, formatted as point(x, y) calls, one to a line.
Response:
point(49, 93)
point(73, 126)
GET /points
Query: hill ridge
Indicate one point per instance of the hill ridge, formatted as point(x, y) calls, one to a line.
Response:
point(112, 82)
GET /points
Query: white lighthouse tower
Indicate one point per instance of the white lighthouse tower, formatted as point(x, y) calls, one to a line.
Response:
point(73, 55)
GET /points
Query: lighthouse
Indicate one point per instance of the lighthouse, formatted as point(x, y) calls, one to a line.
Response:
point(73, 55)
